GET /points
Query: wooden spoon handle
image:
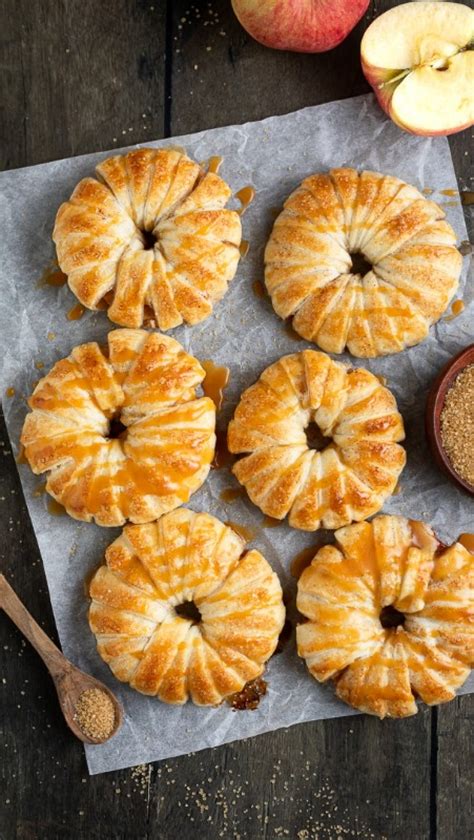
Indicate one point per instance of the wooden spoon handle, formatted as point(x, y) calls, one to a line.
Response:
point(50, 654)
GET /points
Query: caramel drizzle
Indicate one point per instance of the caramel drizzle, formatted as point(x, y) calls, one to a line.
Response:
point(21, 457)
point(52, 276)
point(216, 379)
point(214, 164)
point(55, 509)
point(231, 494)
point(270, 522)
point(132, 479)
point(119, 484)
point(247, 534)
point(301, 561)
point(244, 248)
point(40, 490)
point(246, 195)
point(456, 308)
point(258, 289)
point(222, 457)
point(291, 333)
point(249, 697)
point(76, 312)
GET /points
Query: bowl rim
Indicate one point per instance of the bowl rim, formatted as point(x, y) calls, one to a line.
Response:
point(434, 407)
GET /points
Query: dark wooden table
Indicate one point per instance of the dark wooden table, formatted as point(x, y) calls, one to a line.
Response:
point(79, 76)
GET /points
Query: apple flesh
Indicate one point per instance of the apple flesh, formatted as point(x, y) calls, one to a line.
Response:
point(419, 59)
point(299, 25)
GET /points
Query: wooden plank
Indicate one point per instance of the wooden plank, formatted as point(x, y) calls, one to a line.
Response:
point(454, 764)
point(80, 76)
point(252, 81)
point(349, 778)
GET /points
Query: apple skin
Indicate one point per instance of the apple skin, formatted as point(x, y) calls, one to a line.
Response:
point(375, 77)
point(299, 25)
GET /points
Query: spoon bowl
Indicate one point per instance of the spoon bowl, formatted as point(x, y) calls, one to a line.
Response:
point(70, 684)
point(69, 681)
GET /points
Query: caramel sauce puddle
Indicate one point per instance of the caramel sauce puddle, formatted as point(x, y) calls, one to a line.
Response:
point(302, 560)
point(246, 195)
point(456, 308)
point(76, 312)
point(214, 164)
point(215, 381)
point(247, 534)
point(231, 494)
point(52, 276)
point(258, 289)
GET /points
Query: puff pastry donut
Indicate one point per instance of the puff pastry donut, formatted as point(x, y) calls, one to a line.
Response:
point(150, 240)
point(146, 382)
point(135, 613)
point(390, 616)
point(347, 480)
point(309, 271)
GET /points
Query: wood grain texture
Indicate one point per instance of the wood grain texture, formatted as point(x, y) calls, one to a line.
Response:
point(453, 769)
point(80, 76)
point(355, 777)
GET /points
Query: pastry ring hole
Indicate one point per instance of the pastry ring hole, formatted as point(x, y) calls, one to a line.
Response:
point(359, 264)
point(116, 428)
point(149, 240)
point(315, 438)
point(189, 610)
point(391, 617)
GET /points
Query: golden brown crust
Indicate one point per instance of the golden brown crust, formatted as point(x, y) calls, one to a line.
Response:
point(150, 570)
point(100, 239)
point(351, 478)
point(415, 264)
point(389, 562)
point(148, 382)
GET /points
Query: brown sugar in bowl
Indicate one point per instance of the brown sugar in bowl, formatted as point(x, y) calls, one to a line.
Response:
point(434, 407)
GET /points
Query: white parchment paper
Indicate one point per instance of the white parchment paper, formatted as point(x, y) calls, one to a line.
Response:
point(243, 333)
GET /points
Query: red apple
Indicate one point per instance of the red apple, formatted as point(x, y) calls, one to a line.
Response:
point(418, 57)
point(299, 25)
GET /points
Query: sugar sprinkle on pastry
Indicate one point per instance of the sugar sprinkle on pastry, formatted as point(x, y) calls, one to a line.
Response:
point(120, 430)
point(311, 272)
point(149, 239)
point(390, 616)
point(359, 464)
point(151, 571)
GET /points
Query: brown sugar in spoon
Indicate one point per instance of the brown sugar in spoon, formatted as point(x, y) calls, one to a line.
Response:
point(90, 709)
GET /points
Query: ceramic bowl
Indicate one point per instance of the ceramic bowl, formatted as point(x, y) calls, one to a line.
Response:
point(434, 407)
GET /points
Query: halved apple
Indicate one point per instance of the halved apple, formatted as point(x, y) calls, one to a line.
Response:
point(419, 59)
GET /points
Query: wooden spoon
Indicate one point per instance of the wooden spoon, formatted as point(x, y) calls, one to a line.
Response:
point(69, 681)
